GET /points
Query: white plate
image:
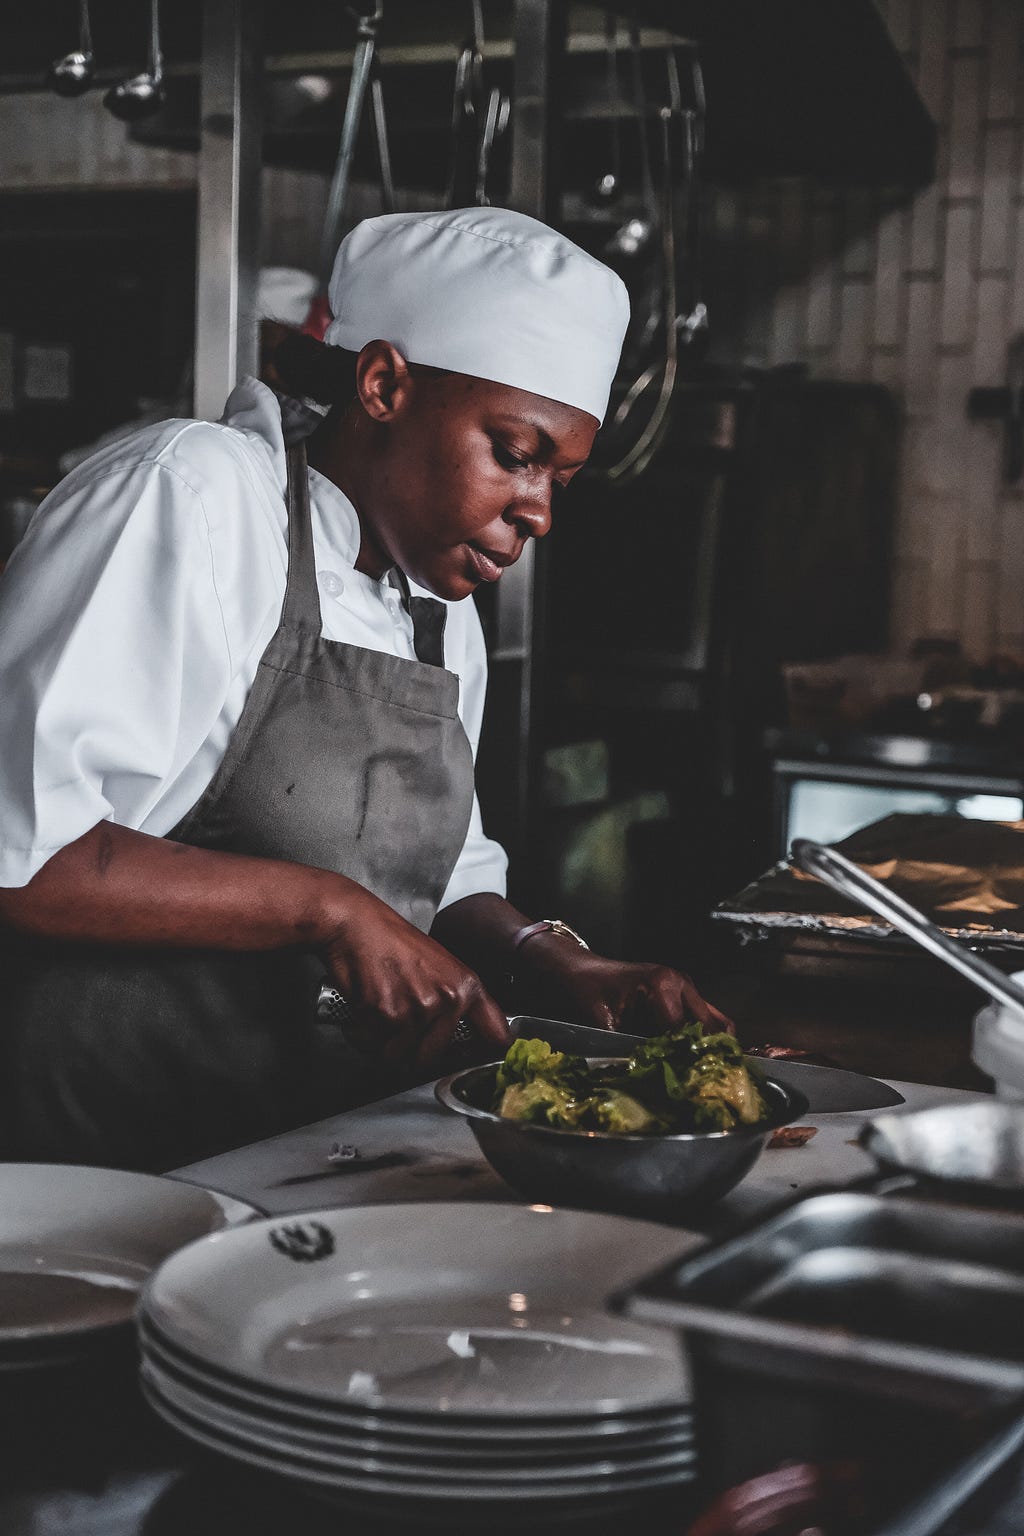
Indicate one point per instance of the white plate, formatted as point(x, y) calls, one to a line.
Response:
point(474, 1310)
point(77, 1245)
point(444, 1440)
point(371, 1455)
point(386, 1486)
point(424, 1434)
point(320, 1451)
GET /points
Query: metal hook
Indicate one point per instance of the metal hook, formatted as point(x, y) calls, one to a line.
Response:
point(367, 22)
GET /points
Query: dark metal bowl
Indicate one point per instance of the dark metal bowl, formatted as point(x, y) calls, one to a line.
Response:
point(640, 1175)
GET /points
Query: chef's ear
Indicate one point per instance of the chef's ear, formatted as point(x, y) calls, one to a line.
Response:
point(382, 380)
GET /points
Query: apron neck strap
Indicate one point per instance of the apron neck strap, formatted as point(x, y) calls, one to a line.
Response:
point(301, 598)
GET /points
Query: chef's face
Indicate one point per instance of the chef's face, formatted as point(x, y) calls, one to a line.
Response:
point(464, 471)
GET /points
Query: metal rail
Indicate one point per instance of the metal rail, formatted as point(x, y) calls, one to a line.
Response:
point(231, 125)
point(518, 640)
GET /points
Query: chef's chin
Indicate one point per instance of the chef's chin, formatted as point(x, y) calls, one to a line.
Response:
point(450, 585)
point(452, 579)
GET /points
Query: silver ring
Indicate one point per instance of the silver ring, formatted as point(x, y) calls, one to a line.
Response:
point(332, 1006)
point(463, 1032)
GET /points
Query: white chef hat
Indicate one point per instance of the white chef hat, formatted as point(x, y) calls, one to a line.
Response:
point(487, 292)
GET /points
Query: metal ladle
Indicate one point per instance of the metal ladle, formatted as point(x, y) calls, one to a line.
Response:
point(633, 237)
point(850, 880)
point(72, 74)
point(607, 187)
point(142, 95)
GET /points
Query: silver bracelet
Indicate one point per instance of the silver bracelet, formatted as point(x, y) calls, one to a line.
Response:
point(546, 925)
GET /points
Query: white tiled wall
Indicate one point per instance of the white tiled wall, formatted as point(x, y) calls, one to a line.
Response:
point(51, 145)
point(923, 299)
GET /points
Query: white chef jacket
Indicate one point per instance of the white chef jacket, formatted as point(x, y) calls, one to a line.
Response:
point(135, 611)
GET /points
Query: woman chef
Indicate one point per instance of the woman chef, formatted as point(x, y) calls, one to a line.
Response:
point(240, 691)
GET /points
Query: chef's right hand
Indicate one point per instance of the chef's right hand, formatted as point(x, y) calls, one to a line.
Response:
point(406, 993)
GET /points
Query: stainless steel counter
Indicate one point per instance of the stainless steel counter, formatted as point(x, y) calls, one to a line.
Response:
point(409, 1148)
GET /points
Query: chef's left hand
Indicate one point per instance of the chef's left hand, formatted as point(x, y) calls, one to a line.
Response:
point(584, 988)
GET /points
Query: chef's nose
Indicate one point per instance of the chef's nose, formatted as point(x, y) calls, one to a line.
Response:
point(532, 515)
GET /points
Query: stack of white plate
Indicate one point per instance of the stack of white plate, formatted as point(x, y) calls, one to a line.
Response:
point(429, 1360)
point(76, 1247)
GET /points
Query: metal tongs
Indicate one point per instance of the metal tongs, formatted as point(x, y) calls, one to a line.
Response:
point(679, 327)
point(367, 26)
point(832, 867)
point(380, 135)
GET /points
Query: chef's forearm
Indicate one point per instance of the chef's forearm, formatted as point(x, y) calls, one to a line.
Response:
point(115, 885)
point(481, 931)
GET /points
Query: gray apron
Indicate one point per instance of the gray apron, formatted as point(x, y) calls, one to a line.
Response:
point(343, 758)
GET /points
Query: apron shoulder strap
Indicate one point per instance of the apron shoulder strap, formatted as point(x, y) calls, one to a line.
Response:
point(301, 599)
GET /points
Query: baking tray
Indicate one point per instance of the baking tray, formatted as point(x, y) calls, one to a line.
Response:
point(917, 1301)
point(966, 875)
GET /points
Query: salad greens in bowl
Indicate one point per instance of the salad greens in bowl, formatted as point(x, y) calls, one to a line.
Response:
point(677, 1083)
point(665, 1130)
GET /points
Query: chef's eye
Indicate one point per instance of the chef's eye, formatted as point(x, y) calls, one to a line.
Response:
point(506, 458)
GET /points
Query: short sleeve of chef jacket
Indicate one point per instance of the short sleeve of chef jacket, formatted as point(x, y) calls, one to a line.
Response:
point(121, 640)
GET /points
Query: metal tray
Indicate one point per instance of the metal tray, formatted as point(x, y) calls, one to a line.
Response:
point(915, 1300)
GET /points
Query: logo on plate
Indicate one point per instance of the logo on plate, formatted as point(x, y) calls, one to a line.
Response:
point(303, 1241)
